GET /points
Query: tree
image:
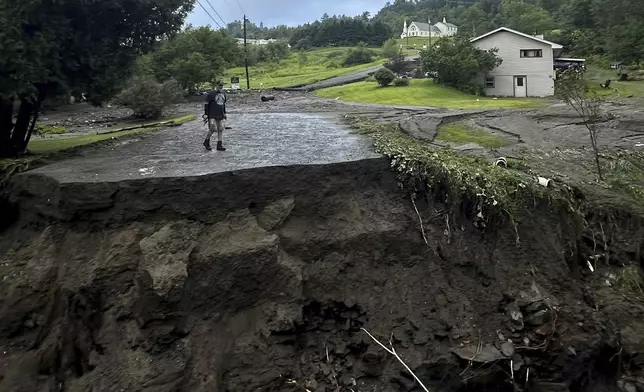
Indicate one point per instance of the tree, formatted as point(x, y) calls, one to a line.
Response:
point(458, 63)
point(390, 49)
point(525, 17)
point(147, 97)
point(384, 77)
point(51, 48)
point(571, 88)
point(359, 55)
point(195, 56)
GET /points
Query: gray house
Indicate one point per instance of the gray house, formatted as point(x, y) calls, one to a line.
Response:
point(528, 64)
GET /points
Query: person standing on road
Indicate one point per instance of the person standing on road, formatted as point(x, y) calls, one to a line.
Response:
point(215, 114)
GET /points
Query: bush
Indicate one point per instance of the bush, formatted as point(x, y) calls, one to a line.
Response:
point(390, 49)
point(399, 82)
point(357, 56)
point(147, 97)
point(384, 77)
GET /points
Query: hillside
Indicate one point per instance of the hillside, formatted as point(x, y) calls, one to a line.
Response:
point(303, 67)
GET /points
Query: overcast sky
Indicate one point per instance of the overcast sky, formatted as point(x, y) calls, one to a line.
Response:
point(276, 12)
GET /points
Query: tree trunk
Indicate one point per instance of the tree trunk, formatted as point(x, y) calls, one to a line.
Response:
point(21, 128)
point(25, 123)
point(6, 126)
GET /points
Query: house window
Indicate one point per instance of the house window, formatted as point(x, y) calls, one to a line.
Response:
point(489, 82)
point(531, 53)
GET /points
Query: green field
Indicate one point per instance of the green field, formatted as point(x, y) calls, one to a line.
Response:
point(40, 146)
point(422, 92)
point(596, 76)
point(320, 64)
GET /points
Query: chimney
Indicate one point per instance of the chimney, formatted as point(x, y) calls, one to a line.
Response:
point(539, 36)
point(444, 20)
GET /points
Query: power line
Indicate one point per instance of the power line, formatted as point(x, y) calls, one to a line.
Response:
point(213, 8)
point(204, 8)
point(240, 7)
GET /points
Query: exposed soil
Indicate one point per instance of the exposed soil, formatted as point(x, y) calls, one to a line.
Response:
point(262, 280)
point(197, 284)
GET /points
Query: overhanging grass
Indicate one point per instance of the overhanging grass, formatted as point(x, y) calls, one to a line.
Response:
point(422, 92)
point(462, 133)
point(492, 191)
point(320, 64)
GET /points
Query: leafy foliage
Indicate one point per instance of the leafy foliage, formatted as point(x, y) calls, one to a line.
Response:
point(457, 63)
point(340, 31)
point(384, 77)
point(193, 56)
point(390, 49)
point(51, 48)
point(358, 55)
point(273, 52)
point(401, 82)
point(147, 97)
point(461, 182)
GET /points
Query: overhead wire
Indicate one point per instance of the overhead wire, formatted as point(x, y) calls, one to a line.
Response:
point(240, 7)
point(213, 19)
point(217, 13)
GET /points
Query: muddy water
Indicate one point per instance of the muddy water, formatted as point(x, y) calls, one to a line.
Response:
point(255, 140)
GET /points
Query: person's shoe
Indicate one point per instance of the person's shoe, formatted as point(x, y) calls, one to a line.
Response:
point(220, 147)
point(206, 144)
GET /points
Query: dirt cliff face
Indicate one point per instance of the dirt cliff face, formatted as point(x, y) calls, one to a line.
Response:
point(263, 280)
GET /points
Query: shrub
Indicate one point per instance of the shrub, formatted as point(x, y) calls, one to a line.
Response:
point(399, 82)
point(384, 77)
point(147, 97)
point(390, 48)
point(359, 55)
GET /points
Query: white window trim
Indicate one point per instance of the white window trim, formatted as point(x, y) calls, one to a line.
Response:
point(485, 80)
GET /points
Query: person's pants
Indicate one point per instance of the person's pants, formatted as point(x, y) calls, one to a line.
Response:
point(215, 125)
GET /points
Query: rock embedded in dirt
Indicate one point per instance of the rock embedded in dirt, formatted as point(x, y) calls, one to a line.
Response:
point(539, 318)
point(274, 214)
point(474, 353)
point(507, 349)
point(516, 316)
point(165, 255)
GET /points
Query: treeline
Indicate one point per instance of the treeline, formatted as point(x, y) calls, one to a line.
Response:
point(610, 28)
point(328, 31)
point(340, 31)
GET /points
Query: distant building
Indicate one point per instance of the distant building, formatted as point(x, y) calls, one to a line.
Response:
point(528, 64)
point(420, 29)
point(256, 41)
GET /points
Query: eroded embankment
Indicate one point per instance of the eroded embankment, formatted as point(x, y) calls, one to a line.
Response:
point(262, 280)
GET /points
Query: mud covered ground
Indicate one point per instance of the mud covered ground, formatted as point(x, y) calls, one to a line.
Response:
point(263, 279)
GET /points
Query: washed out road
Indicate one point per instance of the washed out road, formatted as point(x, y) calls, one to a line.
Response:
point(255, 140)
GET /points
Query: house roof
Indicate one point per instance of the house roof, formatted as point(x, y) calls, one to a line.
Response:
point(422, 26)
point(500, 29)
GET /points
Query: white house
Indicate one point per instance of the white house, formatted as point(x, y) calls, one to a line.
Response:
point(528, 64)
point(420, 29)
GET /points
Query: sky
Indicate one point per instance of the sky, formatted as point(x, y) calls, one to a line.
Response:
point(276, 12)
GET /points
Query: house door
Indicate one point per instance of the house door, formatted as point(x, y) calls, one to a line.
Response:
point(520, 86)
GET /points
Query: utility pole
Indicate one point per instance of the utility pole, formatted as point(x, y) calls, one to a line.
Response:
point(246, 56)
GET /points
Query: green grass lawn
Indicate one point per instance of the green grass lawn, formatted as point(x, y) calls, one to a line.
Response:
point(462, 133)
point(596, 76)
point(320, 64)
point(39, 146)
point(422, 92)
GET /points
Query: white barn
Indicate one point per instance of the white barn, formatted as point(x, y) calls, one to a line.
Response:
point(528, 64)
